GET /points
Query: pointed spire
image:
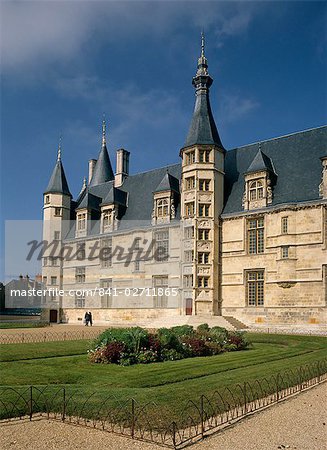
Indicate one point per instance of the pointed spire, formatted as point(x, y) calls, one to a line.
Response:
point(203, 129)
point(103, 170)
point(58, 182)
point(104, 132)
point(59, 150)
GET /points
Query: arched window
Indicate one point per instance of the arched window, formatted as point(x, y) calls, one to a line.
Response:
point(256, 190)
point(162, 207)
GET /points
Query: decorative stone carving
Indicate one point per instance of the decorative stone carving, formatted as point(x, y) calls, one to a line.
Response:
point(286, 284)
point(189, 196)
point(204, 246)
point(188, 245)
point(187, 270)
point(203, 270)
point(204, 224)
point(172, 210)
point(206, 198)
point(269, 192)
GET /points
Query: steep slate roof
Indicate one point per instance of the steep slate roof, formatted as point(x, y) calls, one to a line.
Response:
point(168, 183)
point(260, 162)
point(203, 129)
point(297, 163)
point(103, 170)
point(58, 182)
point(296, 159)
point(116, 196)
point(90, 201)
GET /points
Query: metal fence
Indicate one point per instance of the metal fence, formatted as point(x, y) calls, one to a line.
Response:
point(153, 422)
point(50, 336)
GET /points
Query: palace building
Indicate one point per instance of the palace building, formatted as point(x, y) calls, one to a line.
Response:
point(236, 232)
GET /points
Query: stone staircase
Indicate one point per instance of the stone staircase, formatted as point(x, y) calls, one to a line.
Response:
point(237, 324)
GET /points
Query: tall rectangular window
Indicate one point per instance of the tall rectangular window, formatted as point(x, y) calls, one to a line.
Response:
point(255, 287)
point(189, 183)
point(53, 281)
point(79, 301)
point(106, 253)
point(190, 157)
point(80, 251)
point(285, 249)
point(189, 209)
point(81, 222)
point(188, 256)
point(80, 274)
point(106, 298)
point(203, 282)
point(204, 210)
point(204, 155)
point(106, 219)
point(204, 185)
point(284, 225)
point(160, 285)
point(56, 235)
point(203, 257)
point(189, 232)
point(188, 281)
point(161, 245)
point(57, 212)
point(203, 234)
point(255, 235)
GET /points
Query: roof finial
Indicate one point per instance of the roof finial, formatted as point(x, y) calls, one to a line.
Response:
point(59, 150)
point(84, 184)
point(260, 146)
point(202, 44)
point(103, 131)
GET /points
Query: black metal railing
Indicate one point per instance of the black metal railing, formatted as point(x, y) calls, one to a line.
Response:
point(153, 422)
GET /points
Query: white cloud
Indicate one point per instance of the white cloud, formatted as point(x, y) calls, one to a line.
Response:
point(235, 106)
point(35, 34)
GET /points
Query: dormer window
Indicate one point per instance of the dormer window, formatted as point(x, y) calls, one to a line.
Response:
point(107, 219)
point(256, 190)
point(162, 207)
point(81, 222)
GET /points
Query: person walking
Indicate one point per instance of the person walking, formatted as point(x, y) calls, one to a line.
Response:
point(90, 318)
point(87, 318)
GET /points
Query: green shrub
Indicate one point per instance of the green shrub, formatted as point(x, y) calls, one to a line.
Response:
point(171, 355)
point(183, 330)
point(168, 339)
point(204, 327)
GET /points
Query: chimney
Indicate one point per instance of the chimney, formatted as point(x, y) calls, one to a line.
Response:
point(122, 166)
point(92, 164)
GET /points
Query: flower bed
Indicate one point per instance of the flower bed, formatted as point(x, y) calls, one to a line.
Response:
point(127, 346)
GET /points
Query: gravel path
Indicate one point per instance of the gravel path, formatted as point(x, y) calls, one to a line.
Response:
point(298, 423)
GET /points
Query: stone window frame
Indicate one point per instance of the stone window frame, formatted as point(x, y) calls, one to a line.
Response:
point(79, 301)
point(256, 190)
point(80, 251)
point(205, 232)
point(204, 209)
point(81, 222)
point(54, 280)
point(255, 287)
point(107, 219)
point(46, 199)
point(204, 184)
point(189, 209)
point(189, 157)
point(160, 282)
point(162, 207)
point(203, 281)
point(204, 156)
point(190, 183)
point(255, 235)
point(106, 243)
point(188, 256)
point(58, 211)
point(203, 257)
point(161, 240)
point(285, 251)
point(106, 299)
point(189, 232)
point(80, 274)
point(284, 225)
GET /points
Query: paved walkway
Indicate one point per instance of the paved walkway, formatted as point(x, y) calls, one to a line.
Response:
point(298, 423)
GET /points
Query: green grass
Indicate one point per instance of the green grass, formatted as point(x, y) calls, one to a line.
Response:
point(11, 325)
point(169, 384)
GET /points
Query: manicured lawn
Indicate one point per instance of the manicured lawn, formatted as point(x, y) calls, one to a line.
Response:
point(10, 325)
point(168, 384)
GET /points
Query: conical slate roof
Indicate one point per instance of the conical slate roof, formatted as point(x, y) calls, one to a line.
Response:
point(260, 162)
point(58, 182)
point(168, 183)
point(203, 129)
point(103, 171)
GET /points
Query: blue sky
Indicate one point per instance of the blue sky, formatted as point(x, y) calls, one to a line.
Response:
point(64, 64)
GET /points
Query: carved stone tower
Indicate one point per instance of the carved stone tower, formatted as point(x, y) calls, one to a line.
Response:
point(202, 187)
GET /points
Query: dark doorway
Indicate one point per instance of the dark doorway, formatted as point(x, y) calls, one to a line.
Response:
point(188, 306)
point(53, 316)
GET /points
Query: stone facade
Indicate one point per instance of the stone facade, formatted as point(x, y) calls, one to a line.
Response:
point(244, 234)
